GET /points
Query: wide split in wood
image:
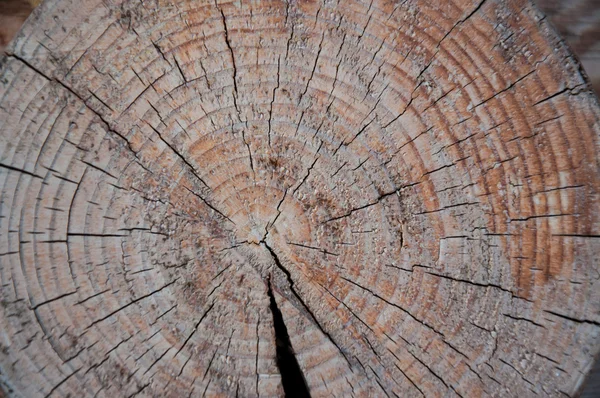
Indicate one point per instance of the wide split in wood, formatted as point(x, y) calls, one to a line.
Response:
point(306, 197)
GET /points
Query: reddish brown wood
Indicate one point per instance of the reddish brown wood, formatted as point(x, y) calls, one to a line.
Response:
point(415, 184)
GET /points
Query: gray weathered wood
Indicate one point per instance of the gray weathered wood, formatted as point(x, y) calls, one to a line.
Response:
point(413, 186)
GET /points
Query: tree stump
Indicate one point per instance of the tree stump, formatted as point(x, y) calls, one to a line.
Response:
point(304, 197)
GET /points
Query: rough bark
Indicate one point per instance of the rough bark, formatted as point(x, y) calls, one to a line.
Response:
point(358, 198)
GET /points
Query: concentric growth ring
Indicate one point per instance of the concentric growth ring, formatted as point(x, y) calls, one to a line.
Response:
point(251, 198)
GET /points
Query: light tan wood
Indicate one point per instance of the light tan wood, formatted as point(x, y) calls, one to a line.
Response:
point(412, 185)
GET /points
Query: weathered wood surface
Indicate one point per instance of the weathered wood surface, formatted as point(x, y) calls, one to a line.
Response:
point(410, 188)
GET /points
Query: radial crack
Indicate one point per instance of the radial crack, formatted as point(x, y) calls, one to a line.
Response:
point(292, 378)
point(314, 68)
point(273, 98)
point(209, 205)
point(177, 153)
point(235, 87)
point(299, 299)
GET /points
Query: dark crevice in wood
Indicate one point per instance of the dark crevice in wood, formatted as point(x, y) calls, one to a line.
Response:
point(160, 51)
point(62, 382)
point(6, 166)
point(78, 96)
point(314, 68)
point(176, 152)
point(35, 307)
point(575, 320)
point(313, 248)
point(131, 303)
point(560, 92)
point(180, 70)
point(301, 302)
point(249, 152)
point(210, 205)
point(273, 98)
point(518, 318)
point(404, 310)
point(278, 212)
point(228, 42)
point(196, 326)
point(308, 171)
point(294, 384)
point(478, 284)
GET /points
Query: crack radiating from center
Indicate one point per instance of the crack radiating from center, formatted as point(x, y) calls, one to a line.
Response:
point(294, 384)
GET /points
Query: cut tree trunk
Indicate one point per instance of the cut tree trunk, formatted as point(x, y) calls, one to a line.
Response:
point(267, 198)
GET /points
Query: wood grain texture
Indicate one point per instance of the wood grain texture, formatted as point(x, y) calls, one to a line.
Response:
point(411, 187)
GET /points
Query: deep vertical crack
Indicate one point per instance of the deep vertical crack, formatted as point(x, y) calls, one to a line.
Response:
point(294, 384)
point(235, 87)
point(307, 310)
point(314, 68)
point(273, 98)
point(249, 153)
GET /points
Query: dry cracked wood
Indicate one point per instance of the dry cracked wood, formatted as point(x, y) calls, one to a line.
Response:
point(253, 198)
